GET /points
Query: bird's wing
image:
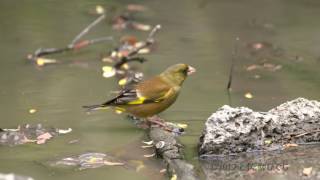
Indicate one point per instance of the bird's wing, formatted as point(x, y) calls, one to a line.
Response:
point(152, 90)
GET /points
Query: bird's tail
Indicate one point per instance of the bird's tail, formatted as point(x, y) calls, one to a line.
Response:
point(95, 107)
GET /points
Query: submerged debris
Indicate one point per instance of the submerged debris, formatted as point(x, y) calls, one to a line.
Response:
point(88, 160)
point(29, 133)
point(235, 130)
point(127, 52)
point(266, 66)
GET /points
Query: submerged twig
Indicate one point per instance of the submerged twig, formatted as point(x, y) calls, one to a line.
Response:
point(233, 59)
point(234, 56)
point(75, 44)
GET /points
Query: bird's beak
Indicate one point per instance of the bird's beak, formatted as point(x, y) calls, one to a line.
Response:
point(191, 70)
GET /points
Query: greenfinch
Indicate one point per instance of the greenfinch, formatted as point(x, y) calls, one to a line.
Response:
point(151, 96)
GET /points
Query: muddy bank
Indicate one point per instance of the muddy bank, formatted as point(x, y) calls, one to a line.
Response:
point(236, 130)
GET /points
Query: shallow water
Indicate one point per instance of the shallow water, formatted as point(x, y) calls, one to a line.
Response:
point(201, 33)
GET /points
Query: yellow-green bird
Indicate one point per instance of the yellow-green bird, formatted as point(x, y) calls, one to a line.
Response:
point(151, 96)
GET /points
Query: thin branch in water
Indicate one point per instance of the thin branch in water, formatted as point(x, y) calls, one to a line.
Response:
point(46, 51)
point(233, 59)
point(234, 56)
point(86, 30)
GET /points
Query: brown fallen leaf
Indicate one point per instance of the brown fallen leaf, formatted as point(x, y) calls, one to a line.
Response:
point(253, 67)
point(43, 138)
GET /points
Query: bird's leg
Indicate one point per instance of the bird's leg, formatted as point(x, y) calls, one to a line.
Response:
point(157, 120)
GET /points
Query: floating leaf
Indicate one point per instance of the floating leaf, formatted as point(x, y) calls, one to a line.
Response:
point(118, 111)
point(142, 27)
point(125, 66)
point(99, 9)
point(253, 67)
point(108, 71)
point(32, 111)
point(43, 138)
point(64, 131)
point(44, 61)
point(248, 95)
point(307, 171)
point(181, 125)
point(107, 59)
point(257, 46)
point(122, 82)
point(144, 51)
point(174, 177)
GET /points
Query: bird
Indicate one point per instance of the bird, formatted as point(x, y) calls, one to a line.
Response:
point(149, 97)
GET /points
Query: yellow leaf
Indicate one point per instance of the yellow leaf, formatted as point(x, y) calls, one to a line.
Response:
point(144, 51)
point(174, 177)
point(248, 95)
point(307, 171)
point(99, 9)
point(125, 66)
point(40, 62)
point(122, 82)
point(184, 126)
point(32, 111)
point(108, 71)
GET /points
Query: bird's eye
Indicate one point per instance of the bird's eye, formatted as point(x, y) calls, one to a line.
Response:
point(185, 71)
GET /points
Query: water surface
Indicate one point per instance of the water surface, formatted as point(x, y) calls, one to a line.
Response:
point(201, 33)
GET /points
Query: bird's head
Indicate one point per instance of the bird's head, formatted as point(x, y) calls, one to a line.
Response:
point(178, 73)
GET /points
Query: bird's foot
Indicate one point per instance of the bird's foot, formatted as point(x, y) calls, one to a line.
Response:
point(156, 120)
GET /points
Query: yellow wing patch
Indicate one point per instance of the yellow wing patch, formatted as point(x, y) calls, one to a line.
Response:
point(140, 100)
